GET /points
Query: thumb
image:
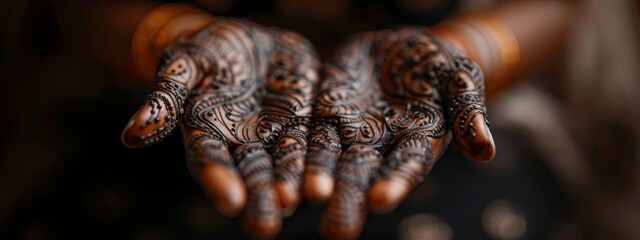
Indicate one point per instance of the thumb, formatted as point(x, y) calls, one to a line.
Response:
point(466, 108)
point(154, 121)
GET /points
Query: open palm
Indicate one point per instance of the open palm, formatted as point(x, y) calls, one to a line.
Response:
point(241, 94)
point(389, 105)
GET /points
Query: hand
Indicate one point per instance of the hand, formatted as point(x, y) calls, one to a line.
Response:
point(389, 105)
point(241, 94)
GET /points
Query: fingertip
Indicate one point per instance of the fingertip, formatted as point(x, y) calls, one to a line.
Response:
point(317, 186)
point(342, 219)
point(132, 134)
point(385, 194)
point(126, 136)
point(481, 146)
point(147, 126)
point(288, 195)
point(261, 228)
point(224, 187)
point(262, 218)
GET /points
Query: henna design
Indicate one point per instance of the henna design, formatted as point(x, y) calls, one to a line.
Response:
point(345, 212)
point(164, 104)
point(254, 164)
point(200, 146)
point(413, 147)
point(382, 87)
point(388, 91)
point(169, 95)
point(289, 154)
point(237, 87)
point(464, 100)
point(324, 149)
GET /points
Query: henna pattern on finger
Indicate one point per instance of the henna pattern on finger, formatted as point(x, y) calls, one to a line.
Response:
point(415, 147)
point(324, 149)
point(166, 95)
point(290, 88)
point(164, 105)
point(288, 156)
point(344, 216)
point(463, 96)
point(262, 212)
point(202, 146)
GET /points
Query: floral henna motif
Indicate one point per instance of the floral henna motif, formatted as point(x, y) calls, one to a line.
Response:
point(387, 92)
point(242, 88)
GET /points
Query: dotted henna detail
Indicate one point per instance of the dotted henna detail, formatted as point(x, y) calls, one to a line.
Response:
point(166, 93)
point(463, 98)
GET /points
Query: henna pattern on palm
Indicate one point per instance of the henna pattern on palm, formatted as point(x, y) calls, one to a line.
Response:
point(382, 119)
point(242, 95)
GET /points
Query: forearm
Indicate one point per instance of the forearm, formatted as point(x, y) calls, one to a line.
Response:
point(510, 40)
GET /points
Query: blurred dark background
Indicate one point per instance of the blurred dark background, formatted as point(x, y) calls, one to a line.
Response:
point(68, 93)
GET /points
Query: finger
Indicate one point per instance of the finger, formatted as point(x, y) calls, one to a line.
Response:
point(211, 165)
point(177, 72)
point(345, 213)
point(404, 168)
point(322, 154)
point(262, 213)
point(465, 101)
point(290, 84)
point(288, 154)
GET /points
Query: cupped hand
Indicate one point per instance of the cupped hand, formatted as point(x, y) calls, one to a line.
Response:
point(389, 105)
point(241, 94)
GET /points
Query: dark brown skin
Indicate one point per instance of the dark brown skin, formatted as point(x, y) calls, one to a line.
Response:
point(241, 94)
point(390, 103)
